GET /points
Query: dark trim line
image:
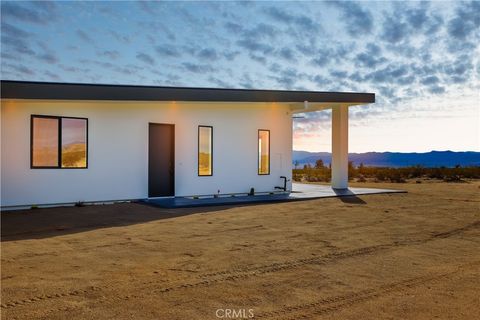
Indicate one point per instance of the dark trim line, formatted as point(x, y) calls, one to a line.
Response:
point(211, 152)
point(82, 91)
point(59, 165)
point(258, 152)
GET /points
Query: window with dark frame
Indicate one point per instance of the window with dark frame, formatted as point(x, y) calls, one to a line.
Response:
point(205, 150)
point(263, 152)
point(58, 142)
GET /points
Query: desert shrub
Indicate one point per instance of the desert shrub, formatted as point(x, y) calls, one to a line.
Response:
point(322, 173)
point(296, 177)
point(361, 178)
point(453, 178)
point(397, 177)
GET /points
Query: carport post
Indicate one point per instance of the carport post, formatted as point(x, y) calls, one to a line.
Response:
point(340, 147)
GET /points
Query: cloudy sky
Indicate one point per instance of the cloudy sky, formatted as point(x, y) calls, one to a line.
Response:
point(420, 58)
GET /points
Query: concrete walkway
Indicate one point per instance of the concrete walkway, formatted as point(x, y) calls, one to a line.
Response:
point(300, 191)
point(313, 191)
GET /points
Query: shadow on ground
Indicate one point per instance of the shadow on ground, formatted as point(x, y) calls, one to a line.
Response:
point(347, 196)
point(51, 222)
point(352, 200)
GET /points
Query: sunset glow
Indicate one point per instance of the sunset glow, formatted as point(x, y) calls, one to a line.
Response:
point(421, 59)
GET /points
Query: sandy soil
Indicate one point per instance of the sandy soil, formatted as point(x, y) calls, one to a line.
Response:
point(393, 256)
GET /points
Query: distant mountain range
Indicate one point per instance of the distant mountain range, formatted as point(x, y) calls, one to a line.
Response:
point(396, 159)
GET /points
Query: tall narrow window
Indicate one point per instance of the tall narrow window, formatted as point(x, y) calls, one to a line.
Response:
point(45, 133)
point(205, 146)
point(58, 142)
point(263, 152)
point(74, 143)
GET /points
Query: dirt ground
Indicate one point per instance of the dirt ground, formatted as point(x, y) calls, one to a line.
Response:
point(413, 255)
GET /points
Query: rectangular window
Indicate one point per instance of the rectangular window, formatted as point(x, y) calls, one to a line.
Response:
point(74, 143)
point(263, 152)
point(45, 133)
point(205, 145)
point(58, 142)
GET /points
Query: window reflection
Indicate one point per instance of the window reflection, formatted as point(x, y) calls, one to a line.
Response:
point(74, 143)
point(205, 135)
point(45, 142)
point(263, 152)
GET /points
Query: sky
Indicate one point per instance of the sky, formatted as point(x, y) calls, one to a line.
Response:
point(421, 59)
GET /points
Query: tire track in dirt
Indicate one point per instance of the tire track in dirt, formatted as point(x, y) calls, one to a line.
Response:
point(46, 297)
point(456, 231)
point(234, 274)
point(340, 255)
point(242, 273)
point(336, 303)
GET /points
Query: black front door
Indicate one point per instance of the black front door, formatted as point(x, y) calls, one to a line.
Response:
point(161, 160)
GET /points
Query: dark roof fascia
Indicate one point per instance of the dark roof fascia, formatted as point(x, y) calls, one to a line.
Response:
point(81, 91)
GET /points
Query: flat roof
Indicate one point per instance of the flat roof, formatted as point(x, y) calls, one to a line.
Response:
point(83, 91)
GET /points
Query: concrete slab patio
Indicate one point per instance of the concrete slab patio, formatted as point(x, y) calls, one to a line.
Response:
point(301, 191)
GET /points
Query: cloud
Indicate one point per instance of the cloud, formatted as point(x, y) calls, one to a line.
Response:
point(20, 68)
point(255, 46)
point(417, 49)
point(324, 55)
point(338, 74)
point(146, 7)
point(233, 27)
point(145, 58)
point(406, 23)
point(459, 71)
point(321, 61)
point(84, 36)
point(16, 10)
point(287, 54)
point(261, 31)
point(167, 51)
point(12, 31)
point(219, 83)
point(207, 54)
point(357, 20)
point(286, 77)
point(48, 57)
point(394, 29)
point(301, 21)
point(73, 69)
point(392, 73)
point(320, 80)
point(51, 75)
point(157, 28)
point(197, 68)
point(16, 39)
point(466, 21)
point(258, 58)
point(16, 44)
point(256, 39)
point(436, 89)
point(371, 57)
point(110, 54)
point(430, 80)
point(230, 55)
point(120, 37)
point(246, 81)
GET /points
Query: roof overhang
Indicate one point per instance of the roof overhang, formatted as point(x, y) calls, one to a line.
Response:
point(81, 91)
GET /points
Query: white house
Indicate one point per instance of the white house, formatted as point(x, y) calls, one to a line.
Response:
point(63, 143)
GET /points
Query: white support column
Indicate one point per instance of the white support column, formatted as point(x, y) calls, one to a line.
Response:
point(340, 147)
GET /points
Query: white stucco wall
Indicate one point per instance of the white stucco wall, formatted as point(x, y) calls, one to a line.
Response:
point(118, 149)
